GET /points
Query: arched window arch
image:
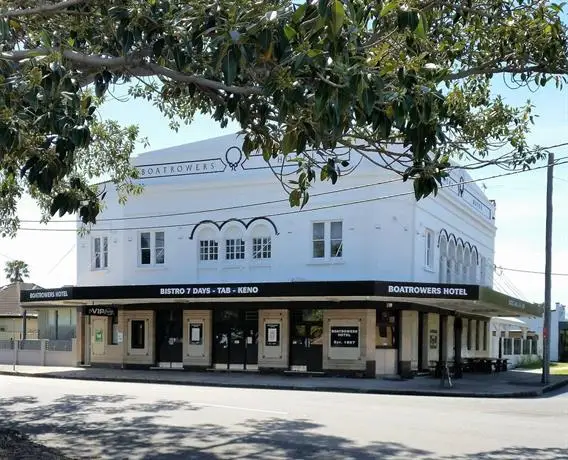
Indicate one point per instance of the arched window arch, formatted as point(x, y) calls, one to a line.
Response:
point(443, 258)
point(450, 263)
point(458, 268)
point(260, 237)
point(208, 244)
point(235, 247)
point(466, 265)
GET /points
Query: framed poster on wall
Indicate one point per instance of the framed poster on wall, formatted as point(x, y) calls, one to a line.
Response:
point(433, 339)
point(272, 334)
point(196, 333)
point(344, 336)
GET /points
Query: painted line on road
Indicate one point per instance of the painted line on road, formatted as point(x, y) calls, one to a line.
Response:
point(249, 409)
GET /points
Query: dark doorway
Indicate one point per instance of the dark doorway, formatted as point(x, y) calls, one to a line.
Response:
point(169, 338)
point(235, 339)
point(306, 340)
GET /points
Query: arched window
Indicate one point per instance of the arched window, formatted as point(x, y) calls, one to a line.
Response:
point(466, 266)
point(208, 244)
point(458, 268)
point(450, 263)
point(443, 258)
point(234, 243)
point(261, 242)
point(473, 267)
point(483, 271)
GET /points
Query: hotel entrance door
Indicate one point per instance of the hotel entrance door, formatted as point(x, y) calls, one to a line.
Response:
point(169, 338)
point(306, 341)
point(235, 339)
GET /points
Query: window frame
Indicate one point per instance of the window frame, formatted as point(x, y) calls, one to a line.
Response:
point(104, 255)
point(261, 245)
point(209, 249)
point(235, 247)
point(327, 241)
point(429, 249)
point(152, 248)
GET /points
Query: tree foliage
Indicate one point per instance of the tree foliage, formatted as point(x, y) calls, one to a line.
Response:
point(16, 271)
point(405, 83)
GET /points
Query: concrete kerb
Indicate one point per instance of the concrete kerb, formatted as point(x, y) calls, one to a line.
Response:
point(322, 388)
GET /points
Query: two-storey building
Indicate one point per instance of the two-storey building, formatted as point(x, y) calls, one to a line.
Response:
point(211, 268)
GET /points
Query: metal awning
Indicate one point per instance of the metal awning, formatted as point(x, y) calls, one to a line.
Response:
point(469, 299)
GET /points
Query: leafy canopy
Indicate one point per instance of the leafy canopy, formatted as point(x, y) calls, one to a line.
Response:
point(405, 83)
point(16, 271)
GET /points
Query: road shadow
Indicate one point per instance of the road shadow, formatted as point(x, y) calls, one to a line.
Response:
point(117, 427)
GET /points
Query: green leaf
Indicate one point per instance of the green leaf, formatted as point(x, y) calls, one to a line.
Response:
point(388, 7)
point(289, 141)
point(289, 32)
point(337, 16)
point(294, 197)
point(421, 27)
point(229, 66)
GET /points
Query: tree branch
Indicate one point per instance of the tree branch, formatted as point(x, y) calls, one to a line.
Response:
point(133, 63)
point(45, 9)
point(507, 69)
point(200, 81)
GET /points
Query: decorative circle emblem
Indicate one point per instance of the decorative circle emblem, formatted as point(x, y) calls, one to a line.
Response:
point(234, 155)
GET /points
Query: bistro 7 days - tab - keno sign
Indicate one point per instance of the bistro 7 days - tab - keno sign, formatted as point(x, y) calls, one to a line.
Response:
point(208, 290)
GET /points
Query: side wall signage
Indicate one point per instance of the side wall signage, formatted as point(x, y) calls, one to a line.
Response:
point(100, 311)
point(440, 291)
point(344, 336)
point(272, 334)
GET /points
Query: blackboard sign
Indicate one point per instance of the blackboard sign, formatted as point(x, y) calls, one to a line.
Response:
point(344, 336)
point(272, 335)
point(196, 333)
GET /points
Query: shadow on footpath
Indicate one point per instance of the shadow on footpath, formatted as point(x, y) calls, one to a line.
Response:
point(94, 426)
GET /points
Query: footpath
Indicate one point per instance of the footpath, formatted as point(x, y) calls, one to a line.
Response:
point(510, 384)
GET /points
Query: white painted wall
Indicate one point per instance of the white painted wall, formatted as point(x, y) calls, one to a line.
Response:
point(383, 238)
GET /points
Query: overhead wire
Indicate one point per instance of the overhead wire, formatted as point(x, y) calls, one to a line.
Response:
point(559, 161)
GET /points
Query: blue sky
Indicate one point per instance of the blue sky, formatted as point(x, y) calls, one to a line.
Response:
point(520, 201)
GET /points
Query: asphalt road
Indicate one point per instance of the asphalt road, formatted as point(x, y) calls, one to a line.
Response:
point(125, 420)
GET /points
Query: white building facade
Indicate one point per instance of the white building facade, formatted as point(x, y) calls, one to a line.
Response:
point(211, 268)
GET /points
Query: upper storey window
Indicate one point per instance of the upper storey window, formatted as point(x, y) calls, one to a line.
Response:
point(327, 240)
point(152, 248)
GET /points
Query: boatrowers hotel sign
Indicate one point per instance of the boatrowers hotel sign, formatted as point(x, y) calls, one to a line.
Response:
point(184, 168)
point(431, 291)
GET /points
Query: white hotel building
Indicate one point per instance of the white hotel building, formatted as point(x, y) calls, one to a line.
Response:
point(210, 268)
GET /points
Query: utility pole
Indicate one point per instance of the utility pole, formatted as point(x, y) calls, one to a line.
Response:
point(547, 273)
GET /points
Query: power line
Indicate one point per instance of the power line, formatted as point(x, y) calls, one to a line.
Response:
point(532, 272)
point(62, 258)
point(227, 208)
point(282, 213)
point(261, 203)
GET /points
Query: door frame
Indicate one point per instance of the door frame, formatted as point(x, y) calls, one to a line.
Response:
point(173, 313)
point(306, 352)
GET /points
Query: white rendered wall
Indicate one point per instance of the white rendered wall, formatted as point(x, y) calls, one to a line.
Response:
point(382, 237)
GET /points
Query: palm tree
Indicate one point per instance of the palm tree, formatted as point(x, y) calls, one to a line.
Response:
point(16, 271)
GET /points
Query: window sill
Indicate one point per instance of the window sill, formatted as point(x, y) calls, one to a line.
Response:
point(149, 268)
point(429, 269)
point(100, 270)
point(337, 261)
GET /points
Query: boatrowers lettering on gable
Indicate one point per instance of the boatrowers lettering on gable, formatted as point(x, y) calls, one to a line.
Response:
point(209, 290)
point(448, 291)
point(184, 168)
